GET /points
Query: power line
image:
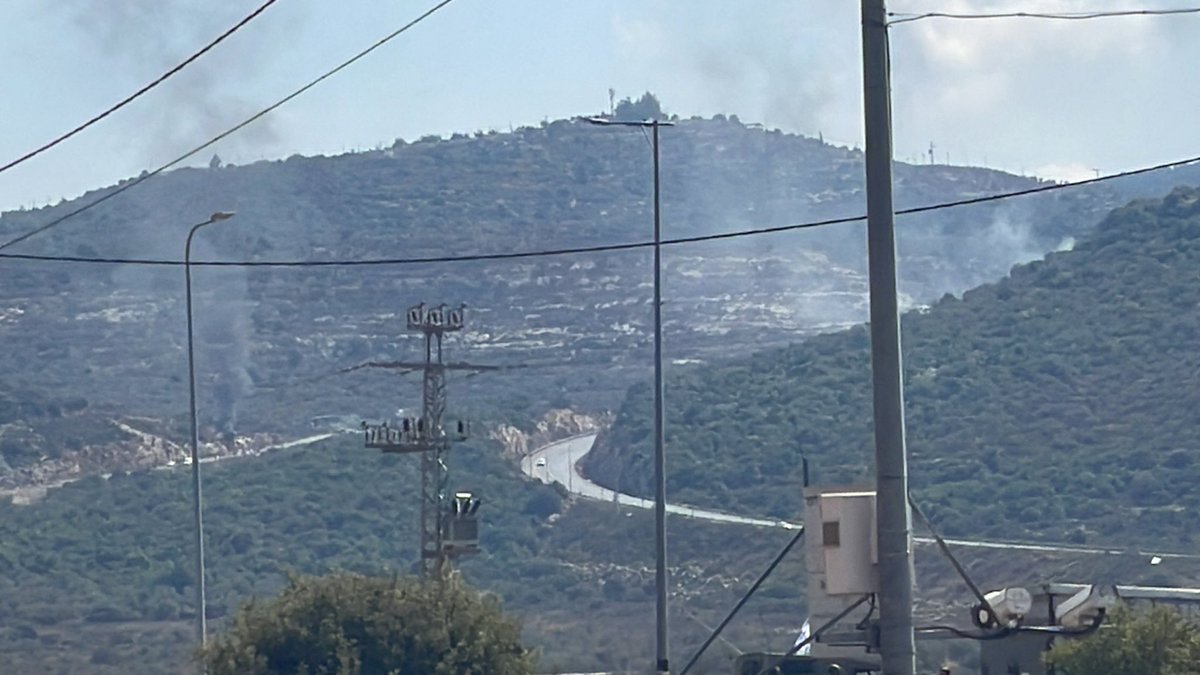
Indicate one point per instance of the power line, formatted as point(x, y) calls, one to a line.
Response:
point(814, 635)
point(337, 263)
point(1061, 16)
point(253, 118)
point(599, 248)
point(129, 99)
point(716, 632)
point(962, 571)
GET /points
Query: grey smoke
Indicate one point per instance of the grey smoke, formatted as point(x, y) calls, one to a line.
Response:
point(773, 65)
point(771, 82)
point(222, 309)
point(222, 314)
point(207, 97)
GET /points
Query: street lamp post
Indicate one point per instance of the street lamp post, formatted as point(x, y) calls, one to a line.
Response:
point(201, 600)
point(660, 464)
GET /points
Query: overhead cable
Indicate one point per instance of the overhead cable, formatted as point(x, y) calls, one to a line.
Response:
point(129, 99)
point(715, 633)
point(248, 121)
point(801, 644)
point(599, 248)
point(903, 17)
point(962, 571)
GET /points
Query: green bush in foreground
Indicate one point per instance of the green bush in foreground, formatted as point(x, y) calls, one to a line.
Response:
point(345, 624)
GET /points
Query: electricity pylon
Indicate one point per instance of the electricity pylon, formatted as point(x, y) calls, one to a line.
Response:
point(427, 435)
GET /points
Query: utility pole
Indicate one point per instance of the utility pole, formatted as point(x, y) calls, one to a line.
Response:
point(661, 664)
point(894, 521)
point(426, 434)
point(197, 496)
point(660, 441)
point(434, 476)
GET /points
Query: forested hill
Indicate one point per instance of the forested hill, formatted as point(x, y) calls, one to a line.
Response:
point(1060, 403)
point(269, 338)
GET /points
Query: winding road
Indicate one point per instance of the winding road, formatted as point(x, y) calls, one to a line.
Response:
point(556, 463)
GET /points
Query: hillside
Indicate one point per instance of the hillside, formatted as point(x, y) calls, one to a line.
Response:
point(97, 577)
point(270, 339)
point(1057, 404)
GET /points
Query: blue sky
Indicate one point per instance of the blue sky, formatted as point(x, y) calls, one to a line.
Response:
point(1059, 99)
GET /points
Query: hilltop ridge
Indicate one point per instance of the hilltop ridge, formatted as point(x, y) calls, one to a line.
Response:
point(270, 339)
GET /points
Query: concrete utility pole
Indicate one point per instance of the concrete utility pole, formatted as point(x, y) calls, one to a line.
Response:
point(426, 434)
point(896, 643)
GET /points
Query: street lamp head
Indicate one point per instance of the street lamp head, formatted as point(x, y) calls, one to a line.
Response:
point(610, 122)
point(218, 216)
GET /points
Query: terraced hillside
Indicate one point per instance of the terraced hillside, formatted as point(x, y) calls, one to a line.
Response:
point(269, 338)
point(1059, 403)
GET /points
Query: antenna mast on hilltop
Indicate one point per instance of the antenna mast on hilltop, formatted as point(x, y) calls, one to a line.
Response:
point(447, 530)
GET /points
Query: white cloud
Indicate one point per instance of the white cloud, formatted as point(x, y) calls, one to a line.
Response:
point(1043, 93)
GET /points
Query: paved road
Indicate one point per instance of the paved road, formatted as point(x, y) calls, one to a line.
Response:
point(307, 440)
point(559, 466)
point(562, 456)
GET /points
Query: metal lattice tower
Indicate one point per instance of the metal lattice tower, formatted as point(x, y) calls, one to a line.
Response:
point(427, 435)
point(434, 476)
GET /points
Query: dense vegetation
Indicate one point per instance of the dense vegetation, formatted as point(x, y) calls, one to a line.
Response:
point(34, 421)
point(98, 576)
point(267, 337)
point(1059, 403)
point(1156, 642)
point(346, 624)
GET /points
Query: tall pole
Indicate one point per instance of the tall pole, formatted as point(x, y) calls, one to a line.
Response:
point(434, 476)
point(660, 457)
point(896, 643)
point(197, 504)
point(428, 437)
point(660, 462)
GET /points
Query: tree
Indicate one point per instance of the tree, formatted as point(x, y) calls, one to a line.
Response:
point(346, 624)
point(1157, 642)
point(645, 108)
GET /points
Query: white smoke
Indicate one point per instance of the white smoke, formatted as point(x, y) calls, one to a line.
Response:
point(1009, 242)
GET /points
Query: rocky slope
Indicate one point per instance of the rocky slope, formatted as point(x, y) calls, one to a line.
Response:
point(1058, 403)
point(270, 340)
